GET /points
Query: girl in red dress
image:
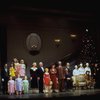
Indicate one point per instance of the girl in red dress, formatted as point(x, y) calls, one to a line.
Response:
point(46, 80)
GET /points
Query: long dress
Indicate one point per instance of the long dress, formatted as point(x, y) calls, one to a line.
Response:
point(11, 86)
point(25, 86)
point(54, 79)
point(46, 79)
point(33, 74)
point(18, 84)
point(22, 70)
point(17, 68)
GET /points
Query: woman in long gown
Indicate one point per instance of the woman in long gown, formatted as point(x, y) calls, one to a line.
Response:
point(16, 66)
point(33, 74)
point(54, 79)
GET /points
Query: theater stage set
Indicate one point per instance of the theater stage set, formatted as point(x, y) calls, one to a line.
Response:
point(23, 18)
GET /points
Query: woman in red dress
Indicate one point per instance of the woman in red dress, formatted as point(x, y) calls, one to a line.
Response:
point(54, 79)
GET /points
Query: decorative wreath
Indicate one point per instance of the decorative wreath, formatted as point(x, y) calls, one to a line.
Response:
point(33, 42)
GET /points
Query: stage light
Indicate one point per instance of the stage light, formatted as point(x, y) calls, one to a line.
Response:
point(57, 42)
point(73, 35)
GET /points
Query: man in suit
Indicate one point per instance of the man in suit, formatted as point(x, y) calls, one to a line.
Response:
point(4, 78)
point(68, 76)
point(61, 76)
point(40, 72)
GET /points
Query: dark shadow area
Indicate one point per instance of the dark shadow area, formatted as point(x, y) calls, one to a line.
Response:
point(33, 52)
point(3, 45)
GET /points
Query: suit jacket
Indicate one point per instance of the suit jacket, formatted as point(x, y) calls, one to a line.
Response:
point(40, 72)
point(5, 74)
point(60, 72)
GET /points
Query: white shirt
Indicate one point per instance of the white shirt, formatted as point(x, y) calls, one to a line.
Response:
point(75, 72)
point(88, 69)
point(42, 69)
point(34, 69)
point(6, 69)
point(81, 70)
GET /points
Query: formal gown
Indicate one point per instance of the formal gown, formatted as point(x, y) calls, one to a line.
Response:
point(54, 79)
point(46, 79)
point(22, 70)
point(17, 68)
point(33, 74)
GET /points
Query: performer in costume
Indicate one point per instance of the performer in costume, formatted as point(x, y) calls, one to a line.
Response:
point(11, 86)
point(25, 85)
point(61, 76)
point(54, 79)
point(68, 76)
point(96, 75)
point(33, 76)
point(40, 76)
point(5, 78)
point(87, 68)
point(75, 76)
point(16, 65)
point(22, 70)
point(88, 79)
point(46, 81)
point(81, 69)
point(12, 71)
point(18, 85)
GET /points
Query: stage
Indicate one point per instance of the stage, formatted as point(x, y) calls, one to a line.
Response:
point(70, 94)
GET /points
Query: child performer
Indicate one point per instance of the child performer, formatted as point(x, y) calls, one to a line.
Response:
point(46, 80)
point(25, 85)
point(12, 71)
point(11, 86)
point(18, 85)
point(22, 69)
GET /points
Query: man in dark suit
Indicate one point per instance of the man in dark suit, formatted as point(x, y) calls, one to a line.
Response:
point(4, 78)
point(68, 76)
point(40, 72)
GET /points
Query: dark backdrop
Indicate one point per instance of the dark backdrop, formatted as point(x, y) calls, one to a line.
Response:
point(49, 26)
point(3, 45)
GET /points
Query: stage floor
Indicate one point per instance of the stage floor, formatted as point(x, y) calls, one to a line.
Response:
point(68, 94)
